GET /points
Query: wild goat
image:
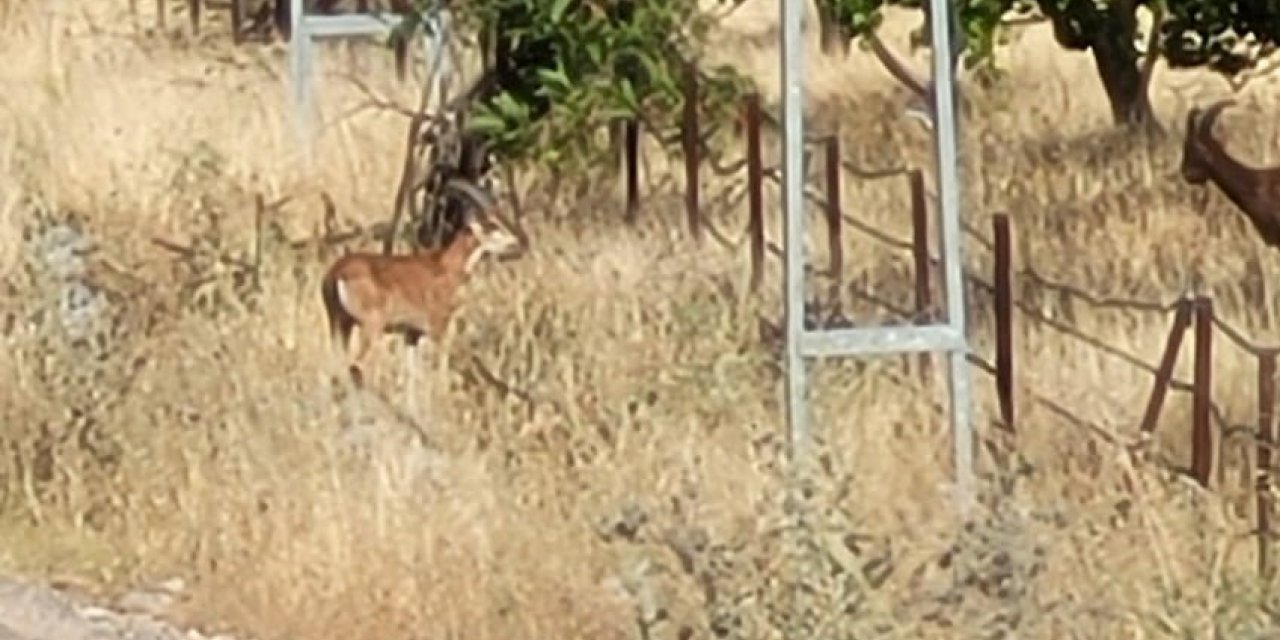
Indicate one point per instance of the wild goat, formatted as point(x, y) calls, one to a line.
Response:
point(1256, 191)
point(413, 294)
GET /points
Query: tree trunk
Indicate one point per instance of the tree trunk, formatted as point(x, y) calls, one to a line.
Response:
point(1108, 33)
point(1122, 78)
point(833, 35)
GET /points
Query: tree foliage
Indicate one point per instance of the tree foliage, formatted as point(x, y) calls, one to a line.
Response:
point(562, 69)
point(978, 21)
point(1227, 37)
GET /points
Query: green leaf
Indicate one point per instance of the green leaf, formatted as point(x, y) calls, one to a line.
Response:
point(580, 64)
point(628, 95)
point(486, 124)
point(557, 10)
point(555, 79)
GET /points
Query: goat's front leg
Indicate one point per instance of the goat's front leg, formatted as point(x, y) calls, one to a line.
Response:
point(412, 354)
point(440, 332)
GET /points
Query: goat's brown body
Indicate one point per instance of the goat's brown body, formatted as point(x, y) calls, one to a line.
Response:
point(411, 294)
point(415, 294)
point(1255, 191)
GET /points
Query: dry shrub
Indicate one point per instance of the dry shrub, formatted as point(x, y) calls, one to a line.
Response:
point(603, 455)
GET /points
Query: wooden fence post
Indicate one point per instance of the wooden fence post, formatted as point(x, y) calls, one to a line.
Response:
point(236, 7)
point(692, 153)
point(1202, 396)
point(194, 7)
point(920, 258)
point(631, 144)
point(835, 212)
point(755, 189)
point(1004, 317)
point(1266, 440)
point(1164, 373)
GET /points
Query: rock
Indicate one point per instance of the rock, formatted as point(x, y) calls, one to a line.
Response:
point(155, 600)
point(30, 611)
point(9, 634)
point(36, 612)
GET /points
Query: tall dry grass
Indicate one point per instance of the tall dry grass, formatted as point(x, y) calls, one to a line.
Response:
point(168, 415)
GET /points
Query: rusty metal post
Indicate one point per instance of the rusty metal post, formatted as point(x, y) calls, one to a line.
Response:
point(1202, 397)
point(920, 258)
point(1164, 373)
point(400, 50)
point(1004, 317)
point(835, 211)
point(236, 7)
point(194, 7)
point(755, 190)
point(631, 135)
point(1266, 440)
point(689, 133)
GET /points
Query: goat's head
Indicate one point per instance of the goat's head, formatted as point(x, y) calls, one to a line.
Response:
point(1199, 141)
point(497, 234)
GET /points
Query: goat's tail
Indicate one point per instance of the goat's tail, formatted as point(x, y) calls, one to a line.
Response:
point(336, 314)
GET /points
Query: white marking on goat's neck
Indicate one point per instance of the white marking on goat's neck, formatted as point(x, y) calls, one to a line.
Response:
point(473, 259)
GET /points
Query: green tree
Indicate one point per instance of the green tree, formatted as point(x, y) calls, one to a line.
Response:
point(559, 70)
point(1227, 37)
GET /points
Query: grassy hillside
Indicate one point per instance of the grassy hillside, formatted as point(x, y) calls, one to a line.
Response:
point(165, 415)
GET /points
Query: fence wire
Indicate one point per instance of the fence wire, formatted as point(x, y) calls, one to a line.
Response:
point(1027, 276)
point(1206, 412)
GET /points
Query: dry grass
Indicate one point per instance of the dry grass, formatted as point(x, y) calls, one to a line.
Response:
point(188, 424)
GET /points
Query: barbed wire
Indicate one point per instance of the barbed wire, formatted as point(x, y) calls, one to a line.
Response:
point(1237, 337)
point(1026, 275)
point(1114, 440)
point(1030, 276)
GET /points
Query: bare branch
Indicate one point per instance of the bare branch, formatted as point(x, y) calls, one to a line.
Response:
point(1024, 21)
point(725, 13)
point(191, 252)
point(330, 220)
point(897, 68)
point(375, 100)
point(1153, 47)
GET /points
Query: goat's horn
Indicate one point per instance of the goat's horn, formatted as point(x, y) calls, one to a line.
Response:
point(487, 206)
point(1204, 124)
point(481, 199)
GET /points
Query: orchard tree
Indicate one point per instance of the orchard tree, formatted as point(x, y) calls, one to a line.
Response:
point(1227, 37)
point(556, 71)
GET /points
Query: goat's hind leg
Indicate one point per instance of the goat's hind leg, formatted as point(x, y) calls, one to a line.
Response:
point(343, 338)
point(363, 357)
